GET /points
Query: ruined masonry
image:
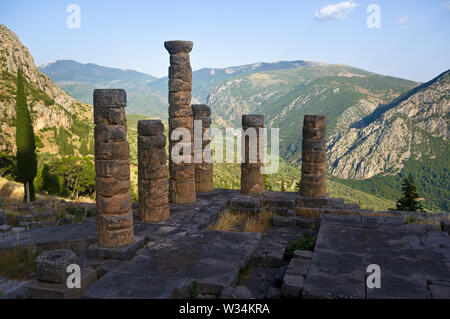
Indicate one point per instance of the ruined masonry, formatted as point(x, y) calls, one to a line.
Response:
point(204, 180)
point(314, 158)
point(152, 168)
point(252, 179)
point(112, 167)
point(182, 175)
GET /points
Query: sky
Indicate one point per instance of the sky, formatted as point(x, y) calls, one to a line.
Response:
point(407, 39)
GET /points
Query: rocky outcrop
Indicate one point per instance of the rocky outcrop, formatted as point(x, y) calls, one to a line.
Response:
point(49, 105)
point(414, 125)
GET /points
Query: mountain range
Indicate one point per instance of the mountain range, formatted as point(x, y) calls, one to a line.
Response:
point(379, 128)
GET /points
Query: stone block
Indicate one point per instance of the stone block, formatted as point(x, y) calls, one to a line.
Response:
point(115, 221)
point(303, 254)
point(181, 122)
point(180, 58)
point(154, 200)
point(152, 142)
point(178, 47)
point(201, 110)
point(112, 151)
point(51, 266)
point(109, 238)
point(182, 111)
point(110, 133)
point(112, 169)
point(180, 72)
point(182, 172)
point(119, 253)
point(110, 98)
point(109, 186)
point(152, 157)
point(292, 286)
point(252, 120)
point(180, 98)
point(154, 214)
point(150, 127)
point(152, 171)
point(117, 204)
point(110, 116)
point(153, 186)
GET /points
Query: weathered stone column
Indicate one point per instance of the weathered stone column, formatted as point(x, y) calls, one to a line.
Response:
point(204, 179)
point(152, 178)
point(112, 167)
point(314, 158)
point(252, 179)
point(182, 175)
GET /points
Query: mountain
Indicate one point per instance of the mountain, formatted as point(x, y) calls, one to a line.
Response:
point(79, 80)
point(343, 93)
point(205, 80)
point(61, 123)
point(407, 136)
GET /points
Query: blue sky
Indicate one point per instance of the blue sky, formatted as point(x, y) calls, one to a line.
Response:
point(413, 41)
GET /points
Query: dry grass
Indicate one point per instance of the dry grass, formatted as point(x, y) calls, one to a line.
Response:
point(18, 262)
point(242, 222)
point(258, 223)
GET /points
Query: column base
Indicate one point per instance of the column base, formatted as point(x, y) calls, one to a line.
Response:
point(120, 253)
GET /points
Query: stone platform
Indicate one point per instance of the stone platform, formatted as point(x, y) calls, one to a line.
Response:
point(414, 261)
point(181, 253)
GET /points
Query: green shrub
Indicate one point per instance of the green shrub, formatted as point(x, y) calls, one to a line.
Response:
point(304, 243)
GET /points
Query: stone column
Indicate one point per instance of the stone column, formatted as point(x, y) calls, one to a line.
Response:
point(204, 180)
point(112, 167)
point(182, 175)
point(314, 158)
point(252, 179)
point(152, 178)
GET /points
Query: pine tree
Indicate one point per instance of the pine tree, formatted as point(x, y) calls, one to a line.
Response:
point(25, 143)
point(409, 200)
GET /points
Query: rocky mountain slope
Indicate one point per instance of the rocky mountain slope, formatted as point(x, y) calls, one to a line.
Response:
point(413, 126)
point(59, 121)
point(79, 80)
point(343, 93)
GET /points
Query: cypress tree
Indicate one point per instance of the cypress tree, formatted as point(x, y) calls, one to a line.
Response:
point(409, 200)
point(25, 143)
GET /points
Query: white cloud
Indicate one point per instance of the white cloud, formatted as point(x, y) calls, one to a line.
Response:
point(339, 11)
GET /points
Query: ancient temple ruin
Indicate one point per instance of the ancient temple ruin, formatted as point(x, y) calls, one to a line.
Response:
point(195, 175)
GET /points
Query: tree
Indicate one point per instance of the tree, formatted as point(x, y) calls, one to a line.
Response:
point(267, 185)
point(25, 143)
point(409, 200)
